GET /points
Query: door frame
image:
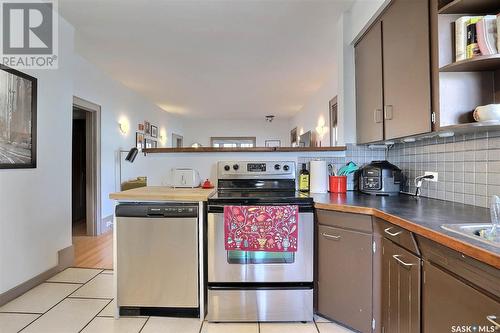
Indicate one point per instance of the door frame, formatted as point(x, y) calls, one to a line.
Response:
point(93, 164)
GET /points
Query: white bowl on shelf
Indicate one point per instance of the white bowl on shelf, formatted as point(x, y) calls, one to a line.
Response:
point(490, 113)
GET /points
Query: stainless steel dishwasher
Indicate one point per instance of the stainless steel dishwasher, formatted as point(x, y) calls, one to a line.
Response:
point(157, 259)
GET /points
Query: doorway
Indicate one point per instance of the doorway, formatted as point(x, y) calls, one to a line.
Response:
point(91, 236)
point(79, 175)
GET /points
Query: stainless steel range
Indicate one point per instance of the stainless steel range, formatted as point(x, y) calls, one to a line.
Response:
point(259, 286)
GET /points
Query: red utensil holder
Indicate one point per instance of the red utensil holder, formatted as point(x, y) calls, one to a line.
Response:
point(338, 184)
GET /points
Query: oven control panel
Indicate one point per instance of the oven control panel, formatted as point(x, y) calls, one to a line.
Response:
point(256, 167)
point(253, 169)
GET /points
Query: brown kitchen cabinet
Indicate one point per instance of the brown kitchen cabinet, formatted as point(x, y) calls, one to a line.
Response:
point(393, 76)
point(450, 302)
point(457, 290)
point(401, 272)
point(344, 270)
point(369, 91)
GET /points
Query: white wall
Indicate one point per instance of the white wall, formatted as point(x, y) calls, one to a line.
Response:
point(35, 204)
point(200, 130)
point(362, 14)
point(118, 104)
point(315, 112)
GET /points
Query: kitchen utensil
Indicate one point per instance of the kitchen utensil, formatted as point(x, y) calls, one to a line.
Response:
point(348, 169)
point(332, 169)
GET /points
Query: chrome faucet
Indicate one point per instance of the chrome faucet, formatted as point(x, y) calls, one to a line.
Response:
point(418, 183)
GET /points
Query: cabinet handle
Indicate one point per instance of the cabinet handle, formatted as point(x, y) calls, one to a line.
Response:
point(392, 234)
point(388, 112)
point(332, 237)
point(377, 116)
point(492, 319)
point(396, 256)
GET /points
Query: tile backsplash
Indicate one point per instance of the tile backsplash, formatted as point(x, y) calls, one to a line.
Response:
point(357, 154)
point(468, 166)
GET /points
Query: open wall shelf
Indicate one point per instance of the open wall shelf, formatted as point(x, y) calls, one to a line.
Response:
point(469, 7)
point(476, 64)
point(243, 150)
point(461, 86)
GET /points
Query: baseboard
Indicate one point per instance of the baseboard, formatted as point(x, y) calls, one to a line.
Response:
point(65, 259)
point(107, 223)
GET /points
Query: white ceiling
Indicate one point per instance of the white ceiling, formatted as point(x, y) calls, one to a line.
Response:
point(204, 59)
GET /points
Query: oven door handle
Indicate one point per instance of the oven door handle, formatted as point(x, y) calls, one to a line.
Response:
point(332, 237)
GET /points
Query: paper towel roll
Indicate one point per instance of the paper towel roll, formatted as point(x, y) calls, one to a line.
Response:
point(318, 177)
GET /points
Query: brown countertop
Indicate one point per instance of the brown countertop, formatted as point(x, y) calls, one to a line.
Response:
point(163, 193)
point(423, 216)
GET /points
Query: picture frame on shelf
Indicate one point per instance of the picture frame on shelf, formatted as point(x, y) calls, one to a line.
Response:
point(273, 143)
point(18, 115)
point(154, 131)
point(139, 140)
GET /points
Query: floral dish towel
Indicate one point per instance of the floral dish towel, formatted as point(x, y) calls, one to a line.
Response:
point(261, 228)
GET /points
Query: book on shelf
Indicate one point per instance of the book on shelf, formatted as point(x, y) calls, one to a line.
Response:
point(486, 29)
point(461, 38)
point(498, 30)
point(472, 49)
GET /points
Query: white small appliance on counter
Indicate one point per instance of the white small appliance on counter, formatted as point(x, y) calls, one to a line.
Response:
point(185, 177)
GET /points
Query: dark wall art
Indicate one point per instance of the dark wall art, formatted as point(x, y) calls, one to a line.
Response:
point(18, 92)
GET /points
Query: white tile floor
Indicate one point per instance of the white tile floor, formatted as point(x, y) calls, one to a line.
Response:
point(81, 300)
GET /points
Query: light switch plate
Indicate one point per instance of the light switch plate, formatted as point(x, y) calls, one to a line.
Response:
point(435, 174)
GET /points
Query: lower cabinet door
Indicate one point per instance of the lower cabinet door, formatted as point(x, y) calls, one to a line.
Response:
point(451, 305)
point(345, 277)
point(400, 289)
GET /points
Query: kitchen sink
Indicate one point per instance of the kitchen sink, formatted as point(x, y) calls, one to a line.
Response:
point(475, 231)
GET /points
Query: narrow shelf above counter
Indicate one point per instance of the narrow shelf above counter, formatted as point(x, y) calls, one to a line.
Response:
point(242, 150)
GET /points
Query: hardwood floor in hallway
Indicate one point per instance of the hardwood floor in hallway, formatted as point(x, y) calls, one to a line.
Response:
point(94, 252)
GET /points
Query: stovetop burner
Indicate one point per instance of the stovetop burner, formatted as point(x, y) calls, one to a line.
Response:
point(260, 197)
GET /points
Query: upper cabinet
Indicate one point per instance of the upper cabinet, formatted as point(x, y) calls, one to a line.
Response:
point(407, 79)
point(369, 90)
point(393, 74)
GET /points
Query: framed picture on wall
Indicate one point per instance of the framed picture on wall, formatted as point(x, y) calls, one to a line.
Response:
point(273, 143)
point(154, 131)
point(154, 144)
point(18, 101)
point(140, 127)
point(147, 127)
point(293, 137)
point(139, 140)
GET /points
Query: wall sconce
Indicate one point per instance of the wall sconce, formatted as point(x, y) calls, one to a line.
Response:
point(163, 136)
point(124, 126)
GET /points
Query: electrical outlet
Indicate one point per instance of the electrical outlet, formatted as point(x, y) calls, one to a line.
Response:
point(435, 174)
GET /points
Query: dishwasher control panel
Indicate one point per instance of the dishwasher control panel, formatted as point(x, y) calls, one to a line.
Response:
point(156, 210)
